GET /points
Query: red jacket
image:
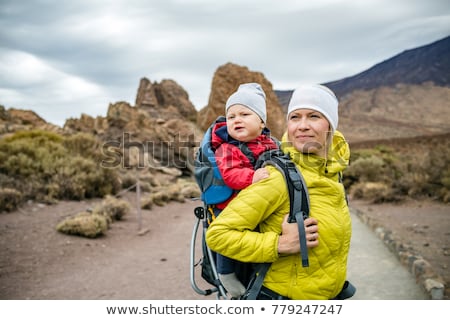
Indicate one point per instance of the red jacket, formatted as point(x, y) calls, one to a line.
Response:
point(234, 166)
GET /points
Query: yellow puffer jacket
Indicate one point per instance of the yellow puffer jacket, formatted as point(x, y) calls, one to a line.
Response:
point(265, 204)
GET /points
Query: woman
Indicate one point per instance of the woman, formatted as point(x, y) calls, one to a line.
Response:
point(321, 154)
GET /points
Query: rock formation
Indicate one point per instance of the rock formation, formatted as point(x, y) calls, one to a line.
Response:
point(159, 132)
point(226, 80)
point(12, 120)
point(165, 100)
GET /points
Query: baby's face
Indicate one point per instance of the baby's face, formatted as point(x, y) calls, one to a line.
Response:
point(243, 124)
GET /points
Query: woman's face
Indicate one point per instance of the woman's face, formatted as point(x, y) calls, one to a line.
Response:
point(308, 131)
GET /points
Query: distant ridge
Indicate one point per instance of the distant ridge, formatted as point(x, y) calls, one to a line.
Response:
point(405, 96)
point(283, 97)
point(416, 66)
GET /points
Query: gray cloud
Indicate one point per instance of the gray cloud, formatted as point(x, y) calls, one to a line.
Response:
point(62, 60)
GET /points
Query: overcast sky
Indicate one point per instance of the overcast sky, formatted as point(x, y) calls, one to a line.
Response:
point(64, 58)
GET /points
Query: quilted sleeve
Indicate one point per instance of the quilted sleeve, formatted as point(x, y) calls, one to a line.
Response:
point(263, 204)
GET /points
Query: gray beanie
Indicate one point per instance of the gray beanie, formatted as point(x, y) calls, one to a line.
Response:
point(316, 97)
point(252, 96)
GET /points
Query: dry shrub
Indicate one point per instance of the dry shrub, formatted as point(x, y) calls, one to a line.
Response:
point(426, 172)
point(28, 160)
point(164, 194)
point(445, 194)
point(367, 169)
point(412, 183)
point(146, 180)
point(191, 191)
point(375, 192)
point(127, 178)
point(188, 188)
point(46, 166)
point(85, 224)
point(83, 144)
point(40, 137)
point(79, 178)
point(9, 199)
point(147, 203)
point(445, 179)
point(112, 208)
point(417, 168)
point(150, 179)
point(178, 191)
point(30, 157)
point(145, 187)
point(174, 193)
point(95, 223)
point(160, 198)
point(445, 190)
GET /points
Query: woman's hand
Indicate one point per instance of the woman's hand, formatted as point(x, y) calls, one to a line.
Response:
point(289, 241)
point(261, 173)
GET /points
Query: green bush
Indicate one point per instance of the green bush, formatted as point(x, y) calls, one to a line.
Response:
point(85, 224)
point(38, 136)
point(417, 169)
point(367, 169)
point(375, 192)
point(113, 209)
point(9, 199)
point(46, 166)
point(78, 178)
point(83, 144)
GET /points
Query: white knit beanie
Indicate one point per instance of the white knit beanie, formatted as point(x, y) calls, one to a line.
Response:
point(316, 97)
point(252, 96)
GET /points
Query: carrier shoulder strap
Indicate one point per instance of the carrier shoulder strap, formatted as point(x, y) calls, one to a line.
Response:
point(247, 152)
point(251, 157)
point(298, 195)
point(299, 210)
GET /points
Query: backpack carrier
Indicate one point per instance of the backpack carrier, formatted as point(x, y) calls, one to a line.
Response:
point(214, 191)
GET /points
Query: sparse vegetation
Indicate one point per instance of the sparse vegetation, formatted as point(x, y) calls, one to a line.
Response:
point(94, 223)
point(390, 173)
point(112, 208)
point(46, 167)
point(86, 224)
point(10, 199)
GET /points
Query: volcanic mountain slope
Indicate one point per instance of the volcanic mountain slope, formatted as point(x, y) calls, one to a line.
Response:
point(405, 96)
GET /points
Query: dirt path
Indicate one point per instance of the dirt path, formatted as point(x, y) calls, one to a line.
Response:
point(37, 262)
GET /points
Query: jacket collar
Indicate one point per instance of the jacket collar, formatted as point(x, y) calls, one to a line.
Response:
point(337, 160)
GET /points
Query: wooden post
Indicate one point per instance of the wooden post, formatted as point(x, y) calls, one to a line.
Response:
point(138, 200)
